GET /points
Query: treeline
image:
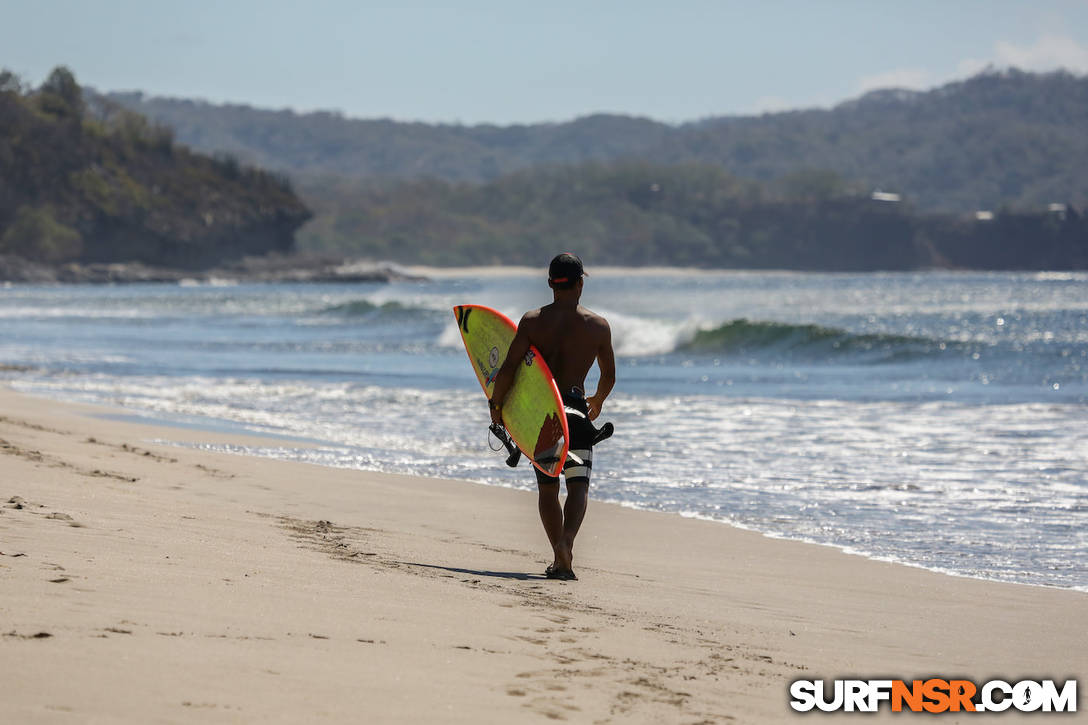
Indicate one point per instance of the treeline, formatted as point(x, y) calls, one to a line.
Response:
point(999, 139)
point(686, 215)
point(85, 178)
point(95, 182)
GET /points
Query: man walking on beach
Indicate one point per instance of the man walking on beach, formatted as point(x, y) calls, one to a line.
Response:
point(571, 339)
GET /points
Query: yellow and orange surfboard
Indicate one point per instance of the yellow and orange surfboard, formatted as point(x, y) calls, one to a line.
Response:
point(533, 410)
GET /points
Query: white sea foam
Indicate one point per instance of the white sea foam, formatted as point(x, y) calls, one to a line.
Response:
point(450, 337)
point(886, 479)
point(974, 465)
point(29, 312)
point(639, 336)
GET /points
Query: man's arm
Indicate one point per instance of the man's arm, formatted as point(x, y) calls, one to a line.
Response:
point(505, 378)
point(606, 361)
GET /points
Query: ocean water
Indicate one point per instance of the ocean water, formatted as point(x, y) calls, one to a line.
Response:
point(935, 419)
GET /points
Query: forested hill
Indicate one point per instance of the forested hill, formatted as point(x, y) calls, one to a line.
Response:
point(112, 186)
point(1000, 139)
point(633, 213)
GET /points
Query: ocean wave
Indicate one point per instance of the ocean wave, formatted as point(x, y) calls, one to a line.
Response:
point(38, 312)
point(635, 337)
point(743, 336)
point(367, 309)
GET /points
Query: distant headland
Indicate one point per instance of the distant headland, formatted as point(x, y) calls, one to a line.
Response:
point(987, 173)
point(111, 186)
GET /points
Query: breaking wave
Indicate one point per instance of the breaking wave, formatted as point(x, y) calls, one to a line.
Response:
point(742, 336)
point(371, 310)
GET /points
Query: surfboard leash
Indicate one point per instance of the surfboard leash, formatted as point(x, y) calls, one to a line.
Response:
point(504, 438)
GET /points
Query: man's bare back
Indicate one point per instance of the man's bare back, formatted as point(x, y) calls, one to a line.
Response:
point(571, 338)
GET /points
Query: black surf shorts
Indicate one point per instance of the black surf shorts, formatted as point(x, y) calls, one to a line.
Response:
point(580, 456)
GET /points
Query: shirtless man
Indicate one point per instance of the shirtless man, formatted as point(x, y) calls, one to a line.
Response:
point(571, 339)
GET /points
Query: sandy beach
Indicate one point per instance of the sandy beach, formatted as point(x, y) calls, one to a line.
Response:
point(142, 581)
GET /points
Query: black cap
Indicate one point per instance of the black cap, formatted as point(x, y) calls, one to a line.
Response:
point(565, 270)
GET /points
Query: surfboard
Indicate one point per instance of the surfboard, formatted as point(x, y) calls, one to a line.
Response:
point(533, 409)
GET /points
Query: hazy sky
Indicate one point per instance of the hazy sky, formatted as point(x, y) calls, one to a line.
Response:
point(511, 62)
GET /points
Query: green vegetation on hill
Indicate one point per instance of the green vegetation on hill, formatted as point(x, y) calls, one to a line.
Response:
point(112, 186)
point(83, 178)
point(609, 211)
point(1008, 139)
point(1000, 139)
point(692, 215)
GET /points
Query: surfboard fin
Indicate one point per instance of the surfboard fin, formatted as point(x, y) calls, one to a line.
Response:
point(604, 433)
point(514, 454)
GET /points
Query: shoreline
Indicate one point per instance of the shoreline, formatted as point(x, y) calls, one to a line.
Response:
point(177, 583)
point(238, 430)
point(317, 268)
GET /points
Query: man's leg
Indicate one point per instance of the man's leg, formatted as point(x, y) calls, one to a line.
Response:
point(551, 515)
point(574, 510)
point(577, 471)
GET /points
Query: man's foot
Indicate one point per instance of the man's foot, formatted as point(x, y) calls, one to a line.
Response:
point(566, 575)
point(564, 559)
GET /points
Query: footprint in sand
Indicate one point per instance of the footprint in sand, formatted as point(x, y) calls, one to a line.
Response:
point(58, 516)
